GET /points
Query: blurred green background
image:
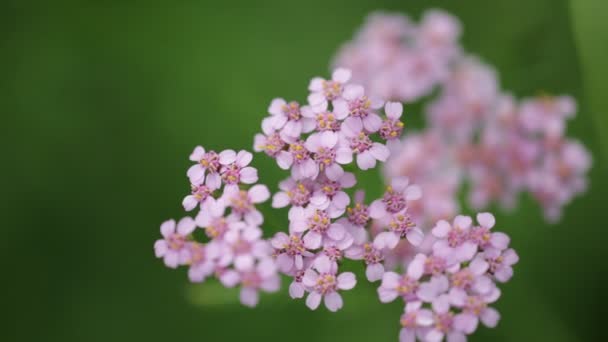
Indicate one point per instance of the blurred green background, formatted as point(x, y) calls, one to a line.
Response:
point(102, 102)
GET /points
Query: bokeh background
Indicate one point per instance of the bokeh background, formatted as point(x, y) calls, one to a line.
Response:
point(101, 103)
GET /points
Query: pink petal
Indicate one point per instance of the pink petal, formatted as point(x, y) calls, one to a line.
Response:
point(160, 248)
point(380, 152)
point(196, 174)
point(333, 301)
point(415, 237)
point(190, 202)
point(352, 126)
point(316, 84)
point(186, 226)
point(340, 109)
point(322, 264)
point(276, 106)
point(478, 266)
point(344, 155)
point(463, 222)
point(377, 209)
point(259, 193)
point(346, 281)
point(393, 110)
point(390, 280)
point(284, 160)
point(249, 297)
point(279, 240)
point(341, 75)
point(227, 157)
point(336, 232)
point(366, 160)
point(387, 295)
point(399, 184)
point(372, 123)
point(280, 200)
point(416, 266)
point(316, 98)
point(413, 192)
point(197, 154)
point(230, 278)
point(500, 240)
point(374, 272)
point(243, 158)
point(490, 317)
point(313, 300)
point(441, 229)
point(167, 228)
point(353, 91)
point(486, 220)
point(171, 259)
point(466, 323)
point(312, 240)
point(214, 180)
point(310, 278)
point(334, 171)
point(296, 290)
point(249, 175)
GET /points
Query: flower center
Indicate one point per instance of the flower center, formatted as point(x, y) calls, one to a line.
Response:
point(274, 144)
point(474, 305)
point(299, 195)
point(241, 203)
point(330, 188)
point(211, 161)
point(231, 174)
point(407, 288)
point(327, 122)
point(401, 224)
point(319, 222)
point(326, 283)
point(434, 265)
point(360, 107)
point(201, 192)
point(462, 279)
point(299, 152)
point(444, 321)
point(176, 241)
point(408, 320)
point(456, 236)
point(292, 111)
point(391, 129)
point(359, 214)
point(394, 201)
point(333, 252)
point(295, 246)
point(371, 255)
point(216, 228)
point(360, 143)
point(481, 236)
point(331, 90)
point(197, 253)
point(324, 157)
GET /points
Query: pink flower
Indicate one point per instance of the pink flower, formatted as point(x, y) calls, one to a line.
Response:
point(395, 198)
point(473, 278)
point(243, 202)
point(372, 257)
point(404, 286)
point(412, 320)
point(201, 194)
point(328, 90)
point(392, 128)
point(325, 283)
point(263, 277)
point(211, 218)
point(443, 323)
point(359, 142)
point(294, 193)
point(328, 193)
point(400, 226)
point(209, 162)
point(359, 108)
point(454, 240)
point(271, 144)
point(238, 171)
point(327, 154)
point(482, 235)
point(288, 118)
point(299, 159)
point(290, 251)
point(500, 263)
point(474, 308)
point(325, 120)
point(174, 248)
point(297, 288)
point(200, 265)
point(317, 225)
point(244, 247)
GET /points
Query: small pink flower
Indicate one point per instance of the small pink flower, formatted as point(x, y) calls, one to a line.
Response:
point(294, 193)
point(238, 171)
point(244, 247)
point(200, 265)
point(399, 226)
point(325, 283)
point(454, 240)
point(395, 199)
point(372, 257)
point(271, 144)
point(243, 202)
point(359, 108)
point(299, 159)
point(474, 308)
point(327, 154)
point(208, 162)
point(483, 237)
point(328, 90)
point(200, 195)
point(290, 251)
point(211, 218)
point(412, 320)
point(404, 286)
point(392, 128)
point(500, 263)
point(443, 323)
point(325, 120)
point(328, 193)
point(288, 118)
point(359, 143)
point(263, 277)
point(174, 247)
point(317, 225)
point(473, 278)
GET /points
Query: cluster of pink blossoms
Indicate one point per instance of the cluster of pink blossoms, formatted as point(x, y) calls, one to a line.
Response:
point(224, 190)
point(449, 276)
point(476, 134)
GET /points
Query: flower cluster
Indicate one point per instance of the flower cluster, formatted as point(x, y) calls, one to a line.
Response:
point(476, 134)
point(223, 187)
point(448, 290)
